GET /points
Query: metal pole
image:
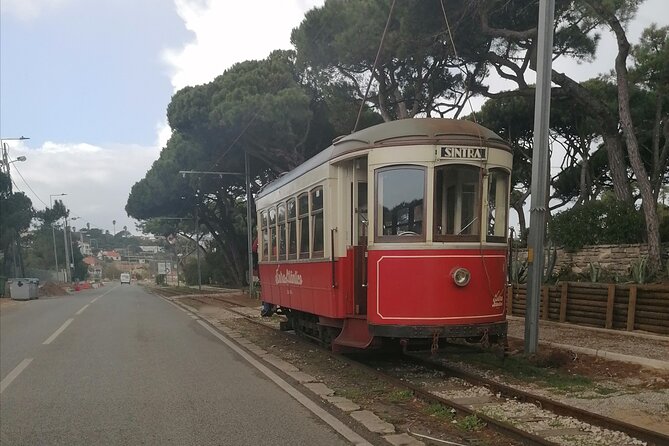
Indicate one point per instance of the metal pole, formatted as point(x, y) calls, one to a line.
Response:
point(249, 237)
point(67, 257)
point(53, 233)
point(197, 245)
point(177, 256)
point(540, 172)
point(55, 251)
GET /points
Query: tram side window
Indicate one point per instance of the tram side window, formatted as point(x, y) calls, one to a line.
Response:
point(272, 234)
point(498, 196)
point(317, 221)
point(281, 225)
point(292, 230)
point(265, 235)
point(303, 223)
point(456, 204)
point(400, 197)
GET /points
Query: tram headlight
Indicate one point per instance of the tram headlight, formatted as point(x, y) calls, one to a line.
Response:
point(461, 276)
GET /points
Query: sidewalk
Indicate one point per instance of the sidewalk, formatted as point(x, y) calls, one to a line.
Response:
point(645, 349)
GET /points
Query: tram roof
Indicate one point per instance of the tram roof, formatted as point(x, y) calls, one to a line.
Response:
point(416, 131)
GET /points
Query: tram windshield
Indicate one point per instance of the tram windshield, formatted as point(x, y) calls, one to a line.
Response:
point(400, 197)
point(457, 198)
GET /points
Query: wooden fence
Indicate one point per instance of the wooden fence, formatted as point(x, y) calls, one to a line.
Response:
point(612, 306)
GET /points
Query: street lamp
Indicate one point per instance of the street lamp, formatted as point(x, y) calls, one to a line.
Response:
point(53, 232)
point(71, 245)
point(5, 158)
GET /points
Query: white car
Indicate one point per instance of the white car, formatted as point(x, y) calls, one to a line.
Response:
point(125, 278)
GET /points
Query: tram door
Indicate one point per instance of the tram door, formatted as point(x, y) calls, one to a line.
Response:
point(360, 228)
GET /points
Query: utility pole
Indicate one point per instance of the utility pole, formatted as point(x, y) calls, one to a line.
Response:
point(67, 257)
point(4, 166)
point(248, 219)
point(540, 175)
point(197, 243)
point(53, 233)
point(249, 236)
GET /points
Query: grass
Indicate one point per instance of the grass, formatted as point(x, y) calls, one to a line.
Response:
point(542, 370)
point(400, 396)
point(604, 390)
point(471, 423)
point(440, 411)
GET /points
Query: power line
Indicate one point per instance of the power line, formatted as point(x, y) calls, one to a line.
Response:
point(26, 183)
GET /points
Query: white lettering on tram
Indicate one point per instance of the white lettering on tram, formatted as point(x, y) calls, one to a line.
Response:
point(288, 277)
point(498, 299)
point(476, 153)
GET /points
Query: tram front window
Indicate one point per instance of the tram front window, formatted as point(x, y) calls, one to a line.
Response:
point(400, 195)
point(456, 204)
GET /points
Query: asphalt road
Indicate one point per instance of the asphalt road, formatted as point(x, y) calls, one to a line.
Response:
point(119, 366)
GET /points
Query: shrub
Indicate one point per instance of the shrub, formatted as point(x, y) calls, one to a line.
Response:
point(597, 223)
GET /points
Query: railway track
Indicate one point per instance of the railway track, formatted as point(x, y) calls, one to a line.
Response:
point(525, 417)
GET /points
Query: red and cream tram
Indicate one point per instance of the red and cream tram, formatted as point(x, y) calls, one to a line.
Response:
point(395, 232)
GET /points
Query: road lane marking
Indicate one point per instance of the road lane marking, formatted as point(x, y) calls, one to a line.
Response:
point(82, 309)
point(57, 332)
point(14, 373)
point(314, 408)
point(95, 299)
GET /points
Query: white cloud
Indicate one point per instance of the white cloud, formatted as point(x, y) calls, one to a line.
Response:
point(30, 9)
point(230, 32)
point(97, 180)
point(164, 132)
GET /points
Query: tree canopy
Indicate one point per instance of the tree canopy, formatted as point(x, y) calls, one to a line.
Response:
point(421, 58)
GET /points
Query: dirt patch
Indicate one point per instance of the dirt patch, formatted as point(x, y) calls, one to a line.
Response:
point(573, 363)
point(52, 289)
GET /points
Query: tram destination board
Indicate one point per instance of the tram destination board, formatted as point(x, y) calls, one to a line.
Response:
point(464, 153)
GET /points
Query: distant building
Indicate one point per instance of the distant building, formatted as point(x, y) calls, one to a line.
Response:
point(90, 261)
point(111, 255)
point(151, 249)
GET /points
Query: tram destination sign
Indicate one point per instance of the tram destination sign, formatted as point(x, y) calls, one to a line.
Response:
point(464, 153)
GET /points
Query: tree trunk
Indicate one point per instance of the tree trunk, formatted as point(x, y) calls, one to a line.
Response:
point(609, 131)
point(648, 203)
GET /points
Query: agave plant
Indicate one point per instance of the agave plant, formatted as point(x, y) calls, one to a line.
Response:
point(639, 270)
point(595, 272)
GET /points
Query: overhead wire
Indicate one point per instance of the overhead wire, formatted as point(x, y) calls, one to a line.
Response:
point(28, 185)
point(376, 61)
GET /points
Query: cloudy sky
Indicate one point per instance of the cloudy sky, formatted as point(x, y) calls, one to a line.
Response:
point(89, 83)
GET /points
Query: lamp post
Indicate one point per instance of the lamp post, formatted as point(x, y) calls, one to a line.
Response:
point(248, 215)
point(4, 166)
point(71, 265)
point(5, 157)
point(53, 233)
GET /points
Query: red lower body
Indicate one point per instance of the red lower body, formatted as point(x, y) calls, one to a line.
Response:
point(404, 293)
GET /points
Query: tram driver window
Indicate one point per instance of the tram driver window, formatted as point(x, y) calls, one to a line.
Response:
point(272, 234)
point(281, 211)
point(498, 196)
point(317, 221)
point(400, 197)
point(292, 231)
point(303, 223)
point(265, 235)
point(457, 198)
